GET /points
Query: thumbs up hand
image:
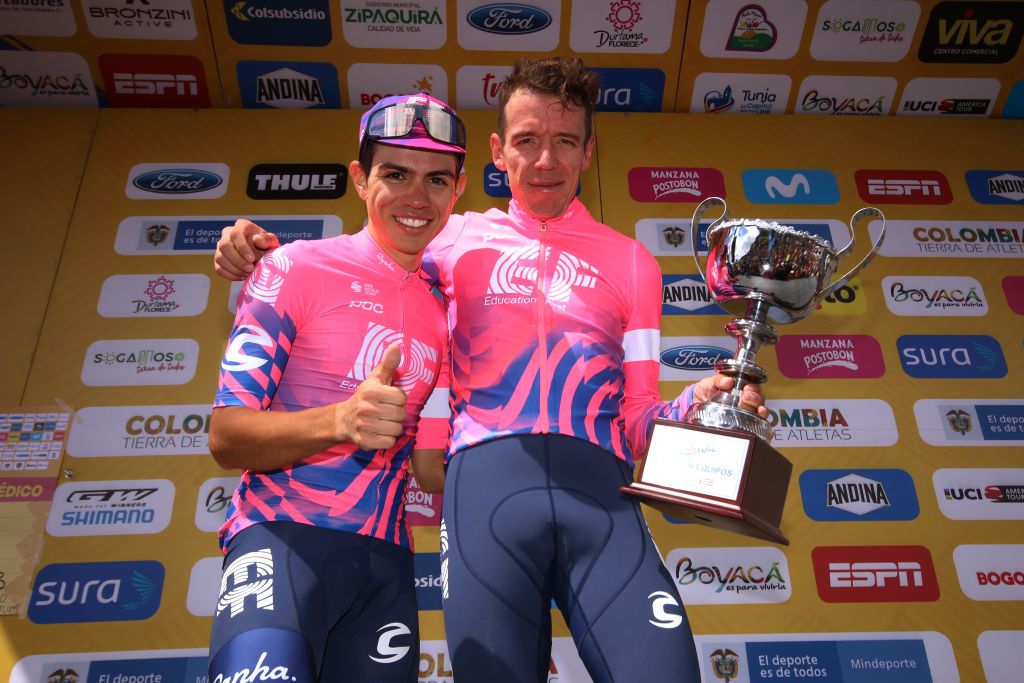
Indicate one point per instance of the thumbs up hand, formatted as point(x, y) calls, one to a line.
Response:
point(372, 417)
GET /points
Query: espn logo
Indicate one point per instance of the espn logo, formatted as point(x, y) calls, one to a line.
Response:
point(154, 80)
point(875, 574)
point(903, 187)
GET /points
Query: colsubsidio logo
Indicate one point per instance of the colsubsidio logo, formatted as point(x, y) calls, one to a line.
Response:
point(951, 356)
point(790, 186)
point(96, 591)
point(428, 580)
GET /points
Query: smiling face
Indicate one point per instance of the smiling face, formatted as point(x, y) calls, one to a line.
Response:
point(543, 151)
point(409, 196)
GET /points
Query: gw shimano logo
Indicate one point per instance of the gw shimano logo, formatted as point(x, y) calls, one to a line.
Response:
point(250, 574)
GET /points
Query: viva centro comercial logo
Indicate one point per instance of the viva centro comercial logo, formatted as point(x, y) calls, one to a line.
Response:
point(96, 591)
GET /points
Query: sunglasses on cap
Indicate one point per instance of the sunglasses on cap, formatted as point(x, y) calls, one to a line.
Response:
point(397, 121)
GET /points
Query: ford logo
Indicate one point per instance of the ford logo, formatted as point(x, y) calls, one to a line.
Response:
point(694, 357)
point(177, 181)
point(509, 18)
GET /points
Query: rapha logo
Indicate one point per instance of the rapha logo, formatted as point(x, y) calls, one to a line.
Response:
point(516, 272)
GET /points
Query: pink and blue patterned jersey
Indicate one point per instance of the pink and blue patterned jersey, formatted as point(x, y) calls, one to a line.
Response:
point(313, 321)
point(554, 329)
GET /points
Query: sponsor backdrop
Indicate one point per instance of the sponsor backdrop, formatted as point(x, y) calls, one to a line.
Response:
point(948, 58)
point(898, 401)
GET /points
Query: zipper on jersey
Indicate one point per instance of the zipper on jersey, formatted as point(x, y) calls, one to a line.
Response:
point(400, 302)
point(542, 296)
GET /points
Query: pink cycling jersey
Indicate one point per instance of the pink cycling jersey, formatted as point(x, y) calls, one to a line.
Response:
point(554, 329)
point(314, 320)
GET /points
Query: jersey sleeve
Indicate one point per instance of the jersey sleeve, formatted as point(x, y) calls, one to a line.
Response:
point(641, 351)
point(269, 313)
point(435, 257)
point(432, 431)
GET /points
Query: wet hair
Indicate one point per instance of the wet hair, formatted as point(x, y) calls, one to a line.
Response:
point(561, 77)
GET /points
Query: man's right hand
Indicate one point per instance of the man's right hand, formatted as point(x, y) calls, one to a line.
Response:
point(240, 246)
point(372, 417)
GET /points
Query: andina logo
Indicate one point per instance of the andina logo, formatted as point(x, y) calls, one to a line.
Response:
point(735, 578)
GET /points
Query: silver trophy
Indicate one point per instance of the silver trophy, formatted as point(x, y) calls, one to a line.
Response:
point(717, 466)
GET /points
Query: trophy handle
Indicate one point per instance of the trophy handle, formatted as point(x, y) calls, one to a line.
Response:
point(703, 208)
point(866, 212)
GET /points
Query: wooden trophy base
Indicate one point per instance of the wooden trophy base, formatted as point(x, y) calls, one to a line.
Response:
point(722, 478)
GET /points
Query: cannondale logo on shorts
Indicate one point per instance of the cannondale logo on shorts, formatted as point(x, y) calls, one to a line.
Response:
point(516, 272)
point(662, 618)
point(266, 281)
point(250, 574)
point(416, 356)
point(444, 560)
point(391, 653)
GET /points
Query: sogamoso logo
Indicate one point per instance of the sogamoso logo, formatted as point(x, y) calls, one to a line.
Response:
point(509, 19)
point(96, 591)
point(177, 181)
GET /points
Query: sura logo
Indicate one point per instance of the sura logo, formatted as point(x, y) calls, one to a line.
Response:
point(177, 181)
point(509, 19)
point(951, 356)
point(694, 357)
point(735, 578)
point(96, 591)
point(856, 494)
point(260, 672)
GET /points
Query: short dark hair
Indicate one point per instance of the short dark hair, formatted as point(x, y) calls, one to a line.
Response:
point(562, 77)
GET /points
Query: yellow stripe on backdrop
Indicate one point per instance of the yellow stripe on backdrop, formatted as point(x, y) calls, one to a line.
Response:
point(115, 234)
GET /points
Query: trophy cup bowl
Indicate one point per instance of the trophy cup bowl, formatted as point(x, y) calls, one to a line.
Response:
point(717, 466)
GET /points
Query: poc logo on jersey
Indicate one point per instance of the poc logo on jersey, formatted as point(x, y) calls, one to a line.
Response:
point(790, 186)
point(166, 181)
point(248, 583)
point(630, 89)
point(516, 272)
point(903, 187)
point(675, 184)
point(990, 572)
point(686, 295)
point(279, 22)
point(96, 591)
point(951, 356)
point(104, 508)
point(972, 32)
point(296, 181)
point(154, 80)
point(730, 576)
point(882, 495)
point(996, 187)
point(875, 574)
point(288, 85)
point(910, 295)
point(830, 356)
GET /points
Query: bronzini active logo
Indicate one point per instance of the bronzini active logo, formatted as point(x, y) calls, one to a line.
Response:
point(96, 591)
point(951, 356)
